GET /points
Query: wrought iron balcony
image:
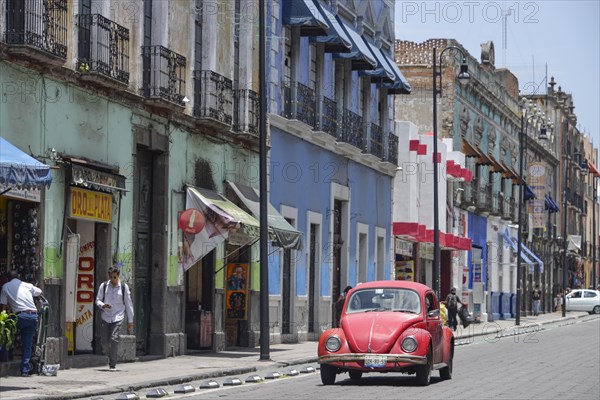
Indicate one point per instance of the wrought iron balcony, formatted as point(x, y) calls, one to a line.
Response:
point(103, 47)
point(351, 130)
point(299, 103)
point(508, 206)
point(40, 24)
point(164, 74)
point(246, 112)
point(327, 117)
point(484, 198)
point(376, 141)
point(496, 202)
point(391, 155)
point(470, 196)
point(213, 97)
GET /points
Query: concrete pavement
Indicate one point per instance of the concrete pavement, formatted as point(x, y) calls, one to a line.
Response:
point(239, 362)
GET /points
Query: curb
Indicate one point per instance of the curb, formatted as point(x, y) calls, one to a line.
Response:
point(514, 330)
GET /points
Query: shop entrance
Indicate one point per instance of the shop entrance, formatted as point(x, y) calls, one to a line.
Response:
point(199, 303)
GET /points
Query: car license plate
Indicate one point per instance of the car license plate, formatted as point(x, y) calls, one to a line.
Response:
point(375, 361)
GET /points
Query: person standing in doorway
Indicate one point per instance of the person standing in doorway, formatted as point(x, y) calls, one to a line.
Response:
point(114, 299)
point(18, 295)
point(452, 301)
point(536, 296)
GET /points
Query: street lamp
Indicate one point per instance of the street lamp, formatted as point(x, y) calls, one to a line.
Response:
point(583, 166)
point(522, 142)
point(463, 78)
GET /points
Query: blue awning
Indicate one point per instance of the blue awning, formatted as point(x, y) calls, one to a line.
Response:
point(550, 204)
point(401, 85)
point(306, 15)
point(531, 254)
point(384, 70)
point(21, 171)
point(512, 243)
point(529, 194)
point(361, 56)
point(336, 40)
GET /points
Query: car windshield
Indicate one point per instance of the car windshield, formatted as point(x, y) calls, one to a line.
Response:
point(384, 299)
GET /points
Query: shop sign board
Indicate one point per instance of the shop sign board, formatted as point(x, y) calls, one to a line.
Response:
point(20, 194)
point(403, 247)
point(90, 205)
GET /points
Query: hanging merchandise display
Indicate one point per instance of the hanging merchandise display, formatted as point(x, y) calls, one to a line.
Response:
point(25, 241)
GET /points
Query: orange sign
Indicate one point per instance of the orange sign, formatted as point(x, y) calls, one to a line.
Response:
point(91, 205)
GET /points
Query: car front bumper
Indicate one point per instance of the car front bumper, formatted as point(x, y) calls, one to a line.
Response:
point(360, 358)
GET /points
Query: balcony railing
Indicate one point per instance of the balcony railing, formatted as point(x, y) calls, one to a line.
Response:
point(327, 118)
point(392, 149)
point(508, 206)
point(484, 198)
point(213, 97)
point(351, 130)
point(470, 195)
point(496, 203)
point(246, 112)
point(41, 24)
point(164, 74)
point(376, 142)
point(103, 47)
point(299, 103)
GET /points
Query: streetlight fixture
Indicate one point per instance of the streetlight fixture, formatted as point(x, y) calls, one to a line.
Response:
point(463, 78)
point(522, 142)
point(578, 159)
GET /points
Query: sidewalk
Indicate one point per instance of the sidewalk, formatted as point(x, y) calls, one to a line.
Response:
point(240, 362)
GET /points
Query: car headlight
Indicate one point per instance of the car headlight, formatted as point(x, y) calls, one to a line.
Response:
point(409, 344)
point(333, 343)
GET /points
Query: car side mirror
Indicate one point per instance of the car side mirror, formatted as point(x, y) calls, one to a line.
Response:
point(433, 313)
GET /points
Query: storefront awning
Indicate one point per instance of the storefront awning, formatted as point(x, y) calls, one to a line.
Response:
point(91, 176)
point(336, 40)
point(286, 235)
point(550, 204)
point(383, 72)
point(513, 243)
point(593, 169)
point(18, 170)
point(361, 56)
point(400, 85)
point(306, 15)
point(208, 220)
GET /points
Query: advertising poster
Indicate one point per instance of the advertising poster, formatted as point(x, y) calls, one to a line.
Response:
point(405, 270)
point(237, 290)
point(84, 295)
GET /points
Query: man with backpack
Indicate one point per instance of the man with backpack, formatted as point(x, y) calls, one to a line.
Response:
point(452, 301)
point(114, 299)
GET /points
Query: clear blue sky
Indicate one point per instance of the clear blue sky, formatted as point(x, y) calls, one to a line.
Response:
point(562, 36)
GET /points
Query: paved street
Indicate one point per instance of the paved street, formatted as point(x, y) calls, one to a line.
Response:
point(558, 362)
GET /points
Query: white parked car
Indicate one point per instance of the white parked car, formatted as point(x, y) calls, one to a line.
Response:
point(584, 300)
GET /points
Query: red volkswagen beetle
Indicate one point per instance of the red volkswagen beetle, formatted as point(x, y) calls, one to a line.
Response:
point(388, 326)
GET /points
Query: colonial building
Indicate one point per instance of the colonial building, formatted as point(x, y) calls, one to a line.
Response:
point(333, 153)
point(481, 120)
point(132, 105)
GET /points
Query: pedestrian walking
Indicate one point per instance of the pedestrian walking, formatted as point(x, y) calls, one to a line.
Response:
point(114, 299)
point(536, 296)
point(451, 302)
point(18, 295)
point(339, 305)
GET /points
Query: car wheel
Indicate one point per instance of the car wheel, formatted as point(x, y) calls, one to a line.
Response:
point(446, 372)
point(328, 374)
point(424, 371)
point(596, 310)
point(355, 375)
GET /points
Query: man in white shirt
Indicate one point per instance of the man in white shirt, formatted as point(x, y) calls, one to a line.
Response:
point(114, 299)
point(19, 296)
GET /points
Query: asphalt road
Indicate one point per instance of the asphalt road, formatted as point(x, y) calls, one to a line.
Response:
point(559, 362)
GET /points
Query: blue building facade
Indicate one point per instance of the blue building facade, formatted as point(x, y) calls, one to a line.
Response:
point(333, 154)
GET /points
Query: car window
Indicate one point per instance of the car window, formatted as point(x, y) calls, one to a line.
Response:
point(430, 303)
point(384, 299)
point(589, 294)
point(575, 295)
